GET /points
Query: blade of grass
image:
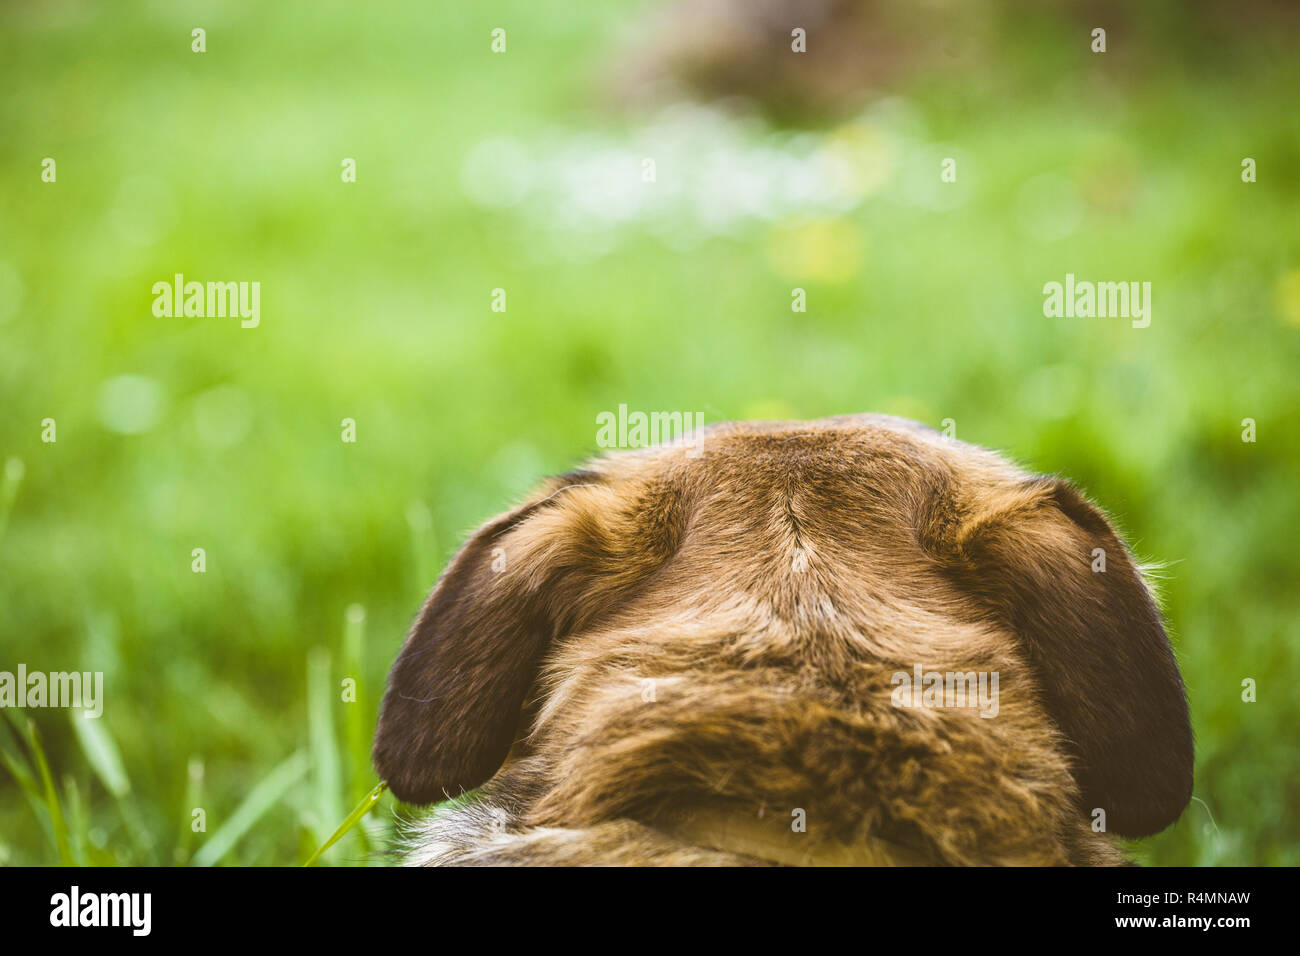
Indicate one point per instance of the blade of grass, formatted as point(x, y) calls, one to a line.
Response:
point(327, 784)
point(101, 752)
point(14, 760)
point(51, 796)
point(193, 797)
point(78, 820)
point(356, 725)
point(260, 799)
point(360, 810)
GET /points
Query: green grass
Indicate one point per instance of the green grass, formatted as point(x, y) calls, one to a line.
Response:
point(224, 690)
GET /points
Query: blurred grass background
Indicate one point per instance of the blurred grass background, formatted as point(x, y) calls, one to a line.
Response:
point(223, 688)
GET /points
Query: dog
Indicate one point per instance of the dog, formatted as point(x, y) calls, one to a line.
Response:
point(695, 654)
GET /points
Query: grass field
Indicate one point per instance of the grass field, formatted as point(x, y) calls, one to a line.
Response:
point(479, 171)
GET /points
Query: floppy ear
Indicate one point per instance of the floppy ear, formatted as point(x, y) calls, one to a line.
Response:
point(1097, 643)
point(454, 694)
point(452, 709)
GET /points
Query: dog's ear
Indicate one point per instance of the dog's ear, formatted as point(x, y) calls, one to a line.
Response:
point(1095, 637)
point(452, 709)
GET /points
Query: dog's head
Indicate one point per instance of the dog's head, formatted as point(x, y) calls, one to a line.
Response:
point(838, 539)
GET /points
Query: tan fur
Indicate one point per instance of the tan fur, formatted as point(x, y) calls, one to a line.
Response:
point(685, 654)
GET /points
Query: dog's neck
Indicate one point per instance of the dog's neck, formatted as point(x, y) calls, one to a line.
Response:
point(772, 839)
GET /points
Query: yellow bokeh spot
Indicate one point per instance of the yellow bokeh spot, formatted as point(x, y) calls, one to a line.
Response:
point(826, 250)
point(864, 158)
point(1286, 297)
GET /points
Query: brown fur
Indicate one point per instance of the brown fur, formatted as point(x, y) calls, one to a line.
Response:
point(668, 641)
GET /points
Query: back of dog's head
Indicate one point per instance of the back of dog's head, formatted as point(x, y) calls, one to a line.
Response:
point(758, 585)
